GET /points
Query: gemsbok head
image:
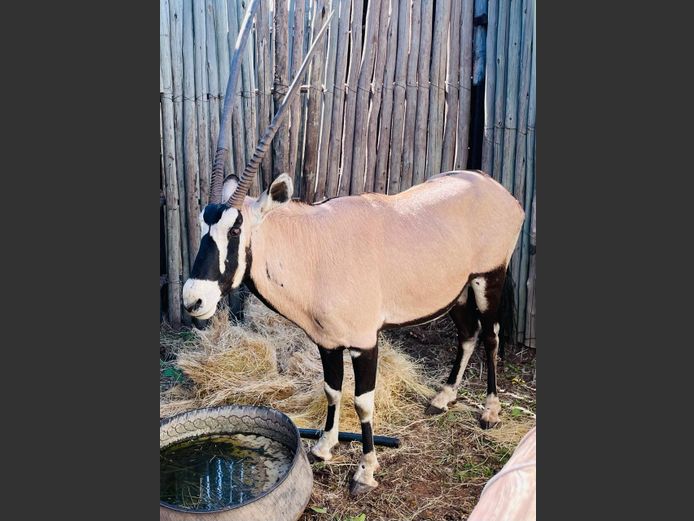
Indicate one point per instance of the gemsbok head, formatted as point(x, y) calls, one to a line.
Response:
point(345, 269)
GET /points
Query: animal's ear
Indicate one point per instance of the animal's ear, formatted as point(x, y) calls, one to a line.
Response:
point(229, 186)
point(279, 193)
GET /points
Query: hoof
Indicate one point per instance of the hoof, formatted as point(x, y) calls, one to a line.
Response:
point(485, 424)
point(357, 489)
point(432, 410)
point(312, 458)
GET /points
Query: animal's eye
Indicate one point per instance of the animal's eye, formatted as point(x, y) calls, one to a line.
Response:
point(234, 232)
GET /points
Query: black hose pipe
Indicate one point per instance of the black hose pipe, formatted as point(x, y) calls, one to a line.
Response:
point(384, 441)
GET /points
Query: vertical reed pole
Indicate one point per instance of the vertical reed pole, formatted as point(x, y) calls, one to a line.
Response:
point(520, 182)
point(190, 142)
point(297, 57)
point(263, 49)
point(474, 133)
point(395, 101)
point(338, 100)
point(500, 91)
point(351, 103)
point(530, 314)
point(328, 96)
point(510, 120)
point(227, 33)
point(361, 110)
point(380, 143)
point(511, 101)
point(437, 88)
point(173, 222)
point(420, 132)
point(212, 75)
point(315, 97)
point(176, 42)
point(201, 101)
point(411, 98)
point(490, 87)
point(454, 80)
point(280, 143)
point(529, 225)
point(250, 115)
point(465, 110)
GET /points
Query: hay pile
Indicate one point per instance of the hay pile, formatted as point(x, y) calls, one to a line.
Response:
point(269, 361)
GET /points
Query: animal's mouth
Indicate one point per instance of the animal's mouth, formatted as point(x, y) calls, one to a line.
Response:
point(203, 315)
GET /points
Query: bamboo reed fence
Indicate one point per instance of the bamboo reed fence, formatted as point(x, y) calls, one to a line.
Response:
point(399, 90)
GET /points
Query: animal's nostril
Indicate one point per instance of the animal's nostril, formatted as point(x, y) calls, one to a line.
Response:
point(195, 306)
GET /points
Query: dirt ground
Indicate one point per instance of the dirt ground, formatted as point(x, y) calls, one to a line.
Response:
point(443, 462)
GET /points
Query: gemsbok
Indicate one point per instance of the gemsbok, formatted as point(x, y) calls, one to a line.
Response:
point(344, 269)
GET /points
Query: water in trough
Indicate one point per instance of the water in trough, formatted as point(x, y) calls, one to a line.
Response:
point(214, 472)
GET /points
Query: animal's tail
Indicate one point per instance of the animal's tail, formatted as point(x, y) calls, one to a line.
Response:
point(507, 315)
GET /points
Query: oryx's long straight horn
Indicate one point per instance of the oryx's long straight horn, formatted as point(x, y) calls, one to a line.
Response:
point(222, 146)
point(236, 199)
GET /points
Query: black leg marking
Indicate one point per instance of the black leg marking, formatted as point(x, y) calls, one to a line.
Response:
point(367, 437)
point(333, 367)
point(465, 318)
point(330, 420)
point(333, 371)
point(365, 364)
point(365, 370)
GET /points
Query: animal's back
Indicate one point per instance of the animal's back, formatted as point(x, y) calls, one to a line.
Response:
point(440, 233)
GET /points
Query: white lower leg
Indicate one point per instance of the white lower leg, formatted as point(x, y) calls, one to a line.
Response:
point(328, 439)
point(492, 408)
point(368, 464)
point(449, 393)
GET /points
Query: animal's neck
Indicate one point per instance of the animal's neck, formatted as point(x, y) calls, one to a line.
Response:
point(277, 258)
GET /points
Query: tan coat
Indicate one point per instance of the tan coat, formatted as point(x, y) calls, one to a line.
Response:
point(344, 268)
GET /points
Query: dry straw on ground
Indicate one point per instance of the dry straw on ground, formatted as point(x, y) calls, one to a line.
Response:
point(269, 361)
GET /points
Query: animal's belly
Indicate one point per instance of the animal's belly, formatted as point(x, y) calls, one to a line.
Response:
point(423, 301)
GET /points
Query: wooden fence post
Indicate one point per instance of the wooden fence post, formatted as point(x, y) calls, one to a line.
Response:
point(190, 141)
point(395, 101)
point(355, 52)
point(315, 98)
point(420, 131)
point(412, 92)
point(454, 80)
point(437, 88)
point(338, 100)
point(361, 110)
point(173, 224)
